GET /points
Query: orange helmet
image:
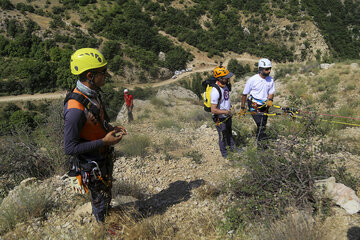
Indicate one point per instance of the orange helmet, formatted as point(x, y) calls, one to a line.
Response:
point(221, 71)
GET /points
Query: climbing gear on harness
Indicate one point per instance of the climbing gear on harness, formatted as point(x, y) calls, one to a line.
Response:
point(77, 186)
point(218, 122)
point(82, 173)
point(85, 59)
point(256, 105)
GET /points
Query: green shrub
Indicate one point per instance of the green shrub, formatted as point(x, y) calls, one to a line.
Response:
point(157, 102)
point(195, 156)
point(168, 123)
point(31, 202)
point(283, 176)
point(135, 145)
point(42, 148)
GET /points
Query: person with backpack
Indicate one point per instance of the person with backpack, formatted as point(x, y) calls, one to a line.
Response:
point(259, 94)
point(221, 109)
point(88, 136)
point(129, 104)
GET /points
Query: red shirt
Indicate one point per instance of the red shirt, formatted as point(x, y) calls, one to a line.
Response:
point(128, 99)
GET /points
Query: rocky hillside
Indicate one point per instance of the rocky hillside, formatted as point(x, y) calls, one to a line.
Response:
point(171, 181)
point(143, 41)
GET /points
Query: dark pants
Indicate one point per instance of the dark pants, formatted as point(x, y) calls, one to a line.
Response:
point(260, 120)
point(130, 115)
point(225, 135)
point(101, 190)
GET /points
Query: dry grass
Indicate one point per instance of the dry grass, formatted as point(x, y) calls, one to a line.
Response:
point(295, 226)
point(29, 202)
point(208, 192)
point(130, 225)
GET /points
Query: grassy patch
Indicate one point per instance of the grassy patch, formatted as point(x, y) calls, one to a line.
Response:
point(157, 102)
point(195, 156)
point(135, 145)
point(127, 188)
point(30, 202)
point(168, 123)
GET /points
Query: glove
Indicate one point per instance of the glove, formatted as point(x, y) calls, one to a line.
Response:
point(77, 186)
point(242, 112)
point(269, 103)
point(232, 111)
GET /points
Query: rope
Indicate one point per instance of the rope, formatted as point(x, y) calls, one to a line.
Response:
point(294, 114)
point(324, 114)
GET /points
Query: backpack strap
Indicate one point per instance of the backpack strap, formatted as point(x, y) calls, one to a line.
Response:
point(218, 88)
point(88, 105)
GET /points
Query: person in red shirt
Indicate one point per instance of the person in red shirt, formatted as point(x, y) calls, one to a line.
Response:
point(129, 104)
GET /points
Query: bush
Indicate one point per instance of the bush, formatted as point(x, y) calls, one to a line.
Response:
point(283, 176)
point(31, 202)
point(159, 103)
point(167, 123)
point(42, 149)
point(195, 156)
point(135, 145)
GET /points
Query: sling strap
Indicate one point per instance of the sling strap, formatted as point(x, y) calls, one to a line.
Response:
point(94, 110)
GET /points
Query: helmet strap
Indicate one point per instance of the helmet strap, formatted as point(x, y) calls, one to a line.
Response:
point(91, 81)
point(221, 84)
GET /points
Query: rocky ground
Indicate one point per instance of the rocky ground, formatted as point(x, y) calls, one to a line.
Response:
point(171, 192)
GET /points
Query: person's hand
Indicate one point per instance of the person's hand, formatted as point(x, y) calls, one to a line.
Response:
point(120, 129)
point(242, 112)
point(231, 112)
point(269, 103)
point(112, 138)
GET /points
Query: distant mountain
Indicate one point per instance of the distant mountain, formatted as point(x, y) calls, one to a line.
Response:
point(38, 37)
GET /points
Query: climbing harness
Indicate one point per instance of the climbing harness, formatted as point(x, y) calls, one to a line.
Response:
point(82, 173)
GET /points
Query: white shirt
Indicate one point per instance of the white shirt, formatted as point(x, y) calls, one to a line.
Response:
point(224, 103)
point(259, 87)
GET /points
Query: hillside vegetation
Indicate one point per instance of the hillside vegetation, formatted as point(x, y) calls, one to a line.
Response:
point(38, 37)
point(171, 181)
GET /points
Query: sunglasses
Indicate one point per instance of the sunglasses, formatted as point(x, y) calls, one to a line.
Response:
point(267, 69)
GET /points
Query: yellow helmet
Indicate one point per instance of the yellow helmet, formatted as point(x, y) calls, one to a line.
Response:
point(86, 59)
point(221, 71)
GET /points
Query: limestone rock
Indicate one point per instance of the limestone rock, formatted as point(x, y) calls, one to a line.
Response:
point(162, 56)
point(122, 115)
point(354, 66)
point(164, 73)
point(326, 65)
point(343, 196)
point(176, 92)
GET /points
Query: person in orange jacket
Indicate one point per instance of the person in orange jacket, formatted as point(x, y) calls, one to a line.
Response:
point(88, 136)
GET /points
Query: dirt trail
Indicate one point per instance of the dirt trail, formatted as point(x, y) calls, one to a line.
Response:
point(34, 97)
point(209, 66)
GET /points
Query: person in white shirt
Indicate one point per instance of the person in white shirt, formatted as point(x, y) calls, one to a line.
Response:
point(259, 93)
point(221, 109)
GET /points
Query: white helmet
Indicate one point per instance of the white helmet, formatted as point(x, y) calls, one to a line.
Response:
point(264, 63)
point(125, 90)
